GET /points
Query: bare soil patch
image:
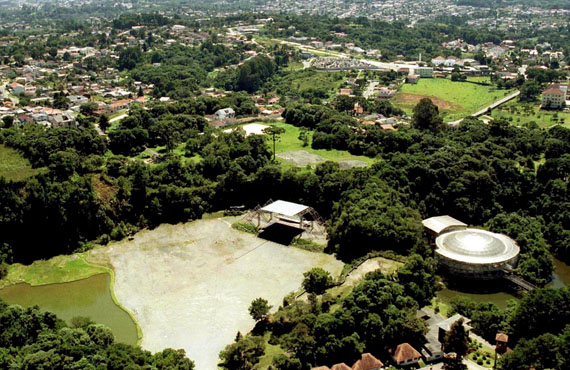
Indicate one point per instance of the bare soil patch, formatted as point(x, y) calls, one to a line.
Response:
point(352, 164)
point(301, 157)
point(190, 285)
point(413, 99)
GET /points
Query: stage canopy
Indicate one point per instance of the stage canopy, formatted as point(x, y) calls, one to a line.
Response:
point(285, 208)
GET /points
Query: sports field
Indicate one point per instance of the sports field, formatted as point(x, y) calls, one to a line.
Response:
point(454, 99)
point(190, 285)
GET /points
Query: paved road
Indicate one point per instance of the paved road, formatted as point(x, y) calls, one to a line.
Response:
point(370, 90)
point(118, 117)
point(490, 106)
point(337, 54)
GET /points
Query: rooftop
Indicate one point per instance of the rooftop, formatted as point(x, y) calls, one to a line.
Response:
point(285, 208)
point(476, 246)
point(446, 324)
point(367, 362)
point(553, 89)
point(438, 224)
point(405, 352)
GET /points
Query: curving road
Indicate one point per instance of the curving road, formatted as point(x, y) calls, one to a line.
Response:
point(490, 106)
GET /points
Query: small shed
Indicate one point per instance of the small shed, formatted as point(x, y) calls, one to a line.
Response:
point(502, 341)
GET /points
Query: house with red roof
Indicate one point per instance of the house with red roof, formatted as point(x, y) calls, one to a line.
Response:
point(554, 97)
point(405, 355)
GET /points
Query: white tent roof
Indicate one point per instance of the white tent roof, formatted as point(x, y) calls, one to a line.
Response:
point(285, 208)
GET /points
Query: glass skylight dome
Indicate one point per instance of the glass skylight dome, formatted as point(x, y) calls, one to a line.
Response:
point(476, 246)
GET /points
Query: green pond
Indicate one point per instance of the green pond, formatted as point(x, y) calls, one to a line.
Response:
point(501, 296)
point(89, 297)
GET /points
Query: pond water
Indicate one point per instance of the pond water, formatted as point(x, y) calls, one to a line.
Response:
point(500, 295)
point(89, 297)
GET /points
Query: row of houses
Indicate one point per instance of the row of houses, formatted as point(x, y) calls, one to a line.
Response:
point(366, 362)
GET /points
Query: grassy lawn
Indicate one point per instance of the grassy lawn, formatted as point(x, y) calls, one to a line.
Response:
point(443, 307)
point(290, 141)
point(522, 113)
point(300, 80)
point(292, 66)
point(13, 166)
point(60, 269)
point(270, 352)
point(454, 99)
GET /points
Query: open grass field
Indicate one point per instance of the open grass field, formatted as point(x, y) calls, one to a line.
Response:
point(301, 80)
point(454, 99)
point(289, 141)
point(60, 269)
point(13, 166)
point(190, 285)
point(523, 113)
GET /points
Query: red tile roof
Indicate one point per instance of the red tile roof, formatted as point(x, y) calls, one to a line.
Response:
point(405, 352)
point(502, 337)
point(367, 362)
point(553, 89)
point(341, 366)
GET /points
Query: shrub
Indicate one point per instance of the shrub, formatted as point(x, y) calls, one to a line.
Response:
point(3, 270)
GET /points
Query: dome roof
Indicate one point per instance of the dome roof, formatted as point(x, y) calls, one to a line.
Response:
point(476, 246)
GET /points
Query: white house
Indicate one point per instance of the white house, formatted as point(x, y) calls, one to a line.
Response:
point(554, 97)
point(225, 113)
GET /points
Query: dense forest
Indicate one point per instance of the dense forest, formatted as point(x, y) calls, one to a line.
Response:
point(33, 339)
point(487, 175)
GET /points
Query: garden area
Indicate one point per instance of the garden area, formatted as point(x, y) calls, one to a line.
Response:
point(520, 114)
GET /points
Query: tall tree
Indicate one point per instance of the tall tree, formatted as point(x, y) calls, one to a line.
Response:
point(274, 131)
point(456, 340)
point(426, 116)
point(259, 309)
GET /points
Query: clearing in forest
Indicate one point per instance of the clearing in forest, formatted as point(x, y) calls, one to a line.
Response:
point(190, 285)
point(13, 166)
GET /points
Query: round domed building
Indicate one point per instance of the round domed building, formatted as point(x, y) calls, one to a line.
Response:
point(472, 253)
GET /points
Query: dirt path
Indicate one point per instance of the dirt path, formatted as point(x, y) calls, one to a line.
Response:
point(190, 285)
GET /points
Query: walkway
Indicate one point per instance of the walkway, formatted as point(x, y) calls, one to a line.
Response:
point(118, 117)
point(490, 106)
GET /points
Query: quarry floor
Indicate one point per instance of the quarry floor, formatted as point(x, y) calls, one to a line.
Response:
point(190, 285)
